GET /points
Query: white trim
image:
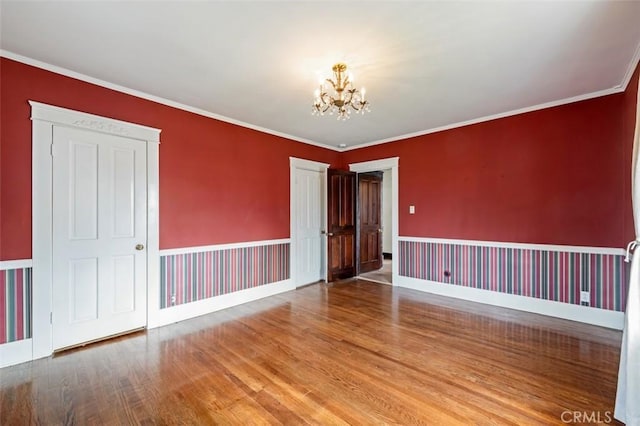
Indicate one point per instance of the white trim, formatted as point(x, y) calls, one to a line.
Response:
point(301, 163)
point(606, 92)
point(374, 165)
point(44, 117)
point(102, 83)
point(82, 120)
point(13, 353)
point(153, 98)
point(631, 68)
point(202, 307)
point(294, 165)
point(215, 247)
point(41, 247)
point(528, 246)
point(15, 264)
point(391, 163)
point(585, 314)
point(153, 231)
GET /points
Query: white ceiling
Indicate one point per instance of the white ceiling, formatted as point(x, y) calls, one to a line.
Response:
point(426, 65)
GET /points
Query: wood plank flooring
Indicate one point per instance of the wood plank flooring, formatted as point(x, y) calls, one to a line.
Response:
point(350, 353)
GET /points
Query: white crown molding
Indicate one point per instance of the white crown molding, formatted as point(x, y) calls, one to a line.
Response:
point(216, 247)
point(102, 83)
point(527, 246)
point(525, 110)
point(63, 71)
point(15, 264)
point(635, 60)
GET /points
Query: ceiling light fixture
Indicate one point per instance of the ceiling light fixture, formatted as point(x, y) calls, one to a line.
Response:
point(344, 98)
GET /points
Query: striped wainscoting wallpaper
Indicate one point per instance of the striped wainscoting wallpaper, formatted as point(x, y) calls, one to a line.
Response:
point(186, 278)
point(15, 304)
point(544, 274)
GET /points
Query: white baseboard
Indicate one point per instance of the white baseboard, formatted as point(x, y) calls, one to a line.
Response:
point(585, 314)
point(177, 313)
point(13, 353)
point(22, 351)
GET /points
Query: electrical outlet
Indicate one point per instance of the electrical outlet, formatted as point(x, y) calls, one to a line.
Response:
point(412, 209)
point(173, 299)
point(585, 296)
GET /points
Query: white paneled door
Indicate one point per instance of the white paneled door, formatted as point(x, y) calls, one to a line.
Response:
point(309, 244)
point(99, 235)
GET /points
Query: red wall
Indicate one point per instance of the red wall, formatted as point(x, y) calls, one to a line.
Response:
point(219, 182)
point(554, 176)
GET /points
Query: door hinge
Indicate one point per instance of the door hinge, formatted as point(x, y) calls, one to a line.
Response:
point(50, 317)
point(51, 150)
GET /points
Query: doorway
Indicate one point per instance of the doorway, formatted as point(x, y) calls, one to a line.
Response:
point(369, 213)
point(47, 122)
point(389, 168)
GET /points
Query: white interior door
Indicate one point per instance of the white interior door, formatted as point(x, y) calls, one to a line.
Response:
point(99, 233)
point(309, 244)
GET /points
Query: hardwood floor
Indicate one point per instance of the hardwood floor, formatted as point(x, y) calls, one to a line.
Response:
point(354, 352)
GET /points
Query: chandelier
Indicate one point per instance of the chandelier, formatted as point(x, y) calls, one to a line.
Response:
point(342, 99)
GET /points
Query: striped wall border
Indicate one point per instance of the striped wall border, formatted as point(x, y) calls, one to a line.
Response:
point(15, 304)
point(552, 275)
point(188, 277)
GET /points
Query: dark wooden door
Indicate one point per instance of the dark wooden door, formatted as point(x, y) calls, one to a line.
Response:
point(341, 225)
point(369, 221)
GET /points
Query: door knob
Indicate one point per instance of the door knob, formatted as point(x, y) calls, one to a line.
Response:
point(139, 246)
point(329, 234)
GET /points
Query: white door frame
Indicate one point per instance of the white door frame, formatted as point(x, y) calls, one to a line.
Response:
point(44, 117)
point(294, 165)
point(377, 166)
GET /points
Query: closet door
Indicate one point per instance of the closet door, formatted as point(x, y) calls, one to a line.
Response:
point(99, 236)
